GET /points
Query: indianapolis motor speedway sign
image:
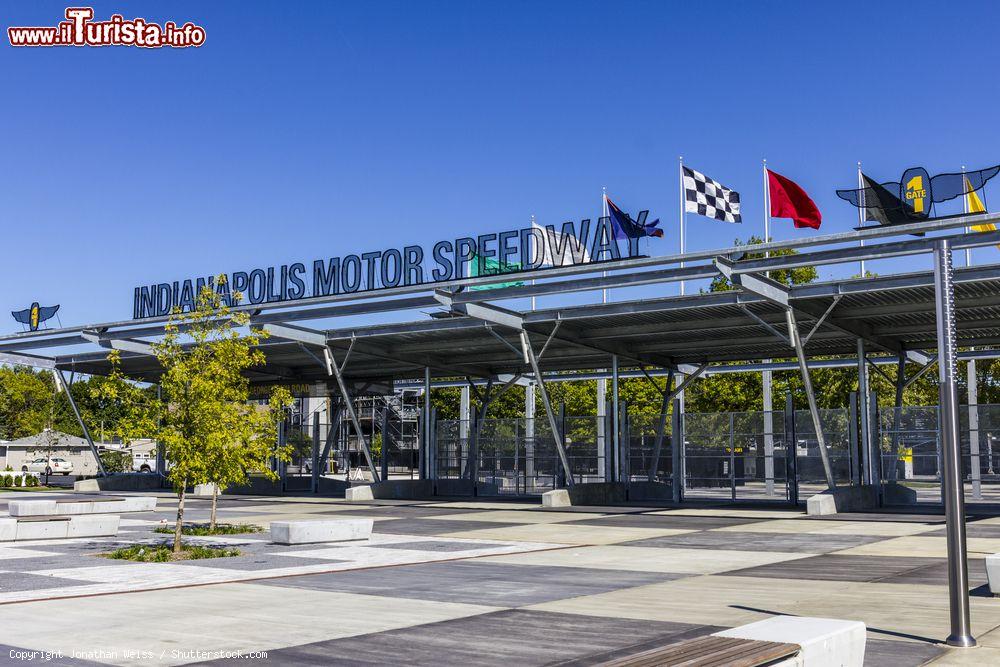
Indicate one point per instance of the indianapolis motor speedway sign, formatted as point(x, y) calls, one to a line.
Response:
point(506, 253)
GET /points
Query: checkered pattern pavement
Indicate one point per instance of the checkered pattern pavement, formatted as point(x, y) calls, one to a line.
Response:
point(491, 583)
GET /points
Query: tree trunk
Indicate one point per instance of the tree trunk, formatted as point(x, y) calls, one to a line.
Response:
point(180, 517)
point(215, 497)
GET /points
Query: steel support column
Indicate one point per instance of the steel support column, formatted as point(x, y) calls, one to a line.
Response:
point(602, 412)
point(793, 335)
point(556, 435)
point(423, 451)
point(384, 457)
point(766, 377)
point(868, 466)
point(677, 452)
point(529, 431)
point(974, 444)
point(616, 451)
point(958, 570)
point(314, 479)
point(791, 452)
point(897, 413)
point(332, 435)
point(661, 428)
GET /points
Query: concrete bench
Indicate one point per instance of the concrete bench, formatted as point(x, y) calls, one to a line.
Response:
point(58, 527)
point(321, 530)
point(74, 507)
point(823, 642)
point(785, 641)
point(993, 573)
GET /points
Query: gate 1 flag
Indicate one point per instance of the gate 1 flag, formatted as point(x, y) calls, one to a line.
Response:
point(788, 200)
point(709, 198)
point(973, 204)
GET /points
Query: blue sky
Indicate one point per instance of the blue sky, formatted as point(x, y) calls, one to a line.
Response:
point(311, 129)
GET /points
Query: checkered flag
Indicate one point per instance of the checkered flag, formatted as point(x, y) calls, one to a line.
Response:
point(710, 198)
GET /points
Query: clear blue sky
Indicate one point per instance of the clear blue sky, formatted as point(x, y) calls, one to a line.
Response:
point(309, 129)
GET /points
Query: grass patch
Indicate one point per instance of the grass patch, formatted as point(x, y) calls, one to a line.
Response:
point(34, 489)
point(163, 553)
point(202, 529)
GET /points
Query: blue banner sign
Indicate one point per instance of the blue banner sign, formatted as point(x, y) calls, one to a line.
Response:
point(511, 251)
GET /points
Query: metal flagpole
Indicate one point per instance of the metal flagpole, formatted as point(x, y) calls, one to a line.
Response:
point(861, 213)
point(680, 171)
point(765, 376)
point(543, 257)
point(965, 209)
point(604, 213)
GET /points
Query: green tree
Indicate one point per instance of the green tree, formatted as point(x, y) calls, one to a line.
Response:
point(799, 276)
point(209, 431)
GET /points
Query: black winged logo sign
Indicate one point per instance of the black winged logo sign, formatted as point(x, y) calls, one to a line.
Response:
point(34, 315)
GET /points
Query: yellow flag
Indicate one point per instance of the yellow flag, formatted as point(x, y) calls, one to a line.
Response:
point(974, 204)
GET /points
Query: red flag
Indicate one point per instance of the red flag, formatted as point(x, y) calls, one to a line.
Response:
point(788, 200)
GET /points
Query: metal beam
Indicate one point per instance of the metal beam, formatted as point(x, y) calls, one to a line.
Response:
point(61, 383)
point(793, 334)
point(298, 334)
point(669, 396)
point(556, 433)
point(115, 343)
point(352, 413)
point(34, 361)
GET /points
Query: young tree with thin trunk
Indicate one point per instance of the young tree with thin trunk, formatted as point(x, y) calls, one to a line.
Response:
point(203, 420)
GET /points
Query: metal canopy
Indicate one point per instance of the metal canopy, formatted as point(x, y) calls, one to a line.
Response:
point(892, 313)
point(717, 327)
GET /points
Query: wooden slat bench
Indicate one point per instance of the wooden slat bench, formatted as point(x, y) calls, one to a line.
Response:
point(711, 651)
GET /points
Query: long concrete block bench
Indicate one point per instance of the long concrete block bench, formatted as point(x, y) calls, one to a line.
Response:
point(822, 642)
point(75, 506)
point(993, 573)
point(782, 641)
point(58, 527)
point(321, 530)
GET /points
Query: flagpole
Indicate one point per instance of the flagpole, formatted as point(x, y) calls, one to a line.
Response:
point(965, 208)
point(604, 213)
point(861, 214)
point(767, 214)
point(543, 255)
point(680, 172)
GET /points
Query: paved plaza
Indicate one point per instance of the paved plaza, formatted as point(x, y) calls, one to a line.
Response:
point(489, 583)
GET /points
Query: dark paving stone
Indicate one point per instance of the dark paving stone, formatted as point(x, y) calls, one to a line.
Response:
point(881, 517)
point(54, 563)
point(936, 574)
point(505, 638)
point(25, 581)
point(402, 512)
point(472, 582)
point(888, 653)
point(431, 527)
point(666, 521)
point(253, 562)
point(752, 541)
point(9, 656)
point(832, 567)
point(972, 529)
point(438, 545)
